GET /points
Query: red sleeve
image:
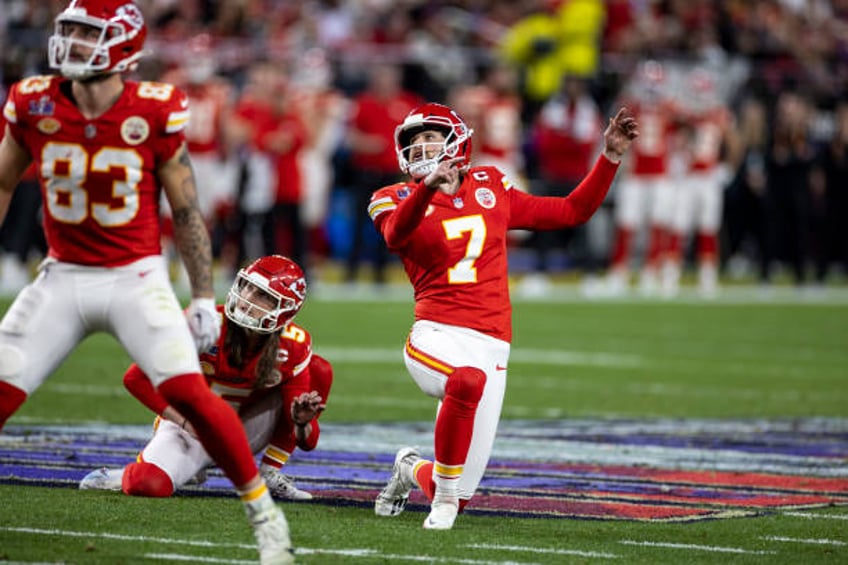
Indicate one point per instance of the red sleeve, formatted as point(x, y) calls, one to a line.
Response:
point(398, 225)
point(140, 386)
point(553, 212)
point(311, 441)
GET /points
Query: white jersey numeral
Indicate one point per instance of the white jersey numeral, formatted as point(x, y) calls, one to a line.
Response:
point(464, 271)
point(66, 166)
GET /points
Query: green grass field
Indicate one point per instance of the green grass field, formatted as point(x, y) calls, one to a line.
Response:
point(572, 359)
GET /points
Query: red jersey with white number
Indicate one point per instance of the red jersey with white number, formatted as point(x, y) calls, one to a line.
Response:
point(649, 154)
point(98, 177)
point(708, 134)
point(456, 252)
point(238, 385)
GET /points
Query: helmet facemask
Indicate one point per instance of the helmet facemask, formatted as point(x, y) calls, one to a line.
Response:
point(419, 160)
point(254, 305)
point(419, 165)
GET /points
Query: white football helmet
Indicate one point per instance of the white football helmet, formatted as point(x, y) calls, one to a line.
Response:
point(117, 49)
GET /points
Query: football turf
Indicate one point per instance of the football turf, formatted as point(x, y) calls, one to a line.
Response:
point(740, 368)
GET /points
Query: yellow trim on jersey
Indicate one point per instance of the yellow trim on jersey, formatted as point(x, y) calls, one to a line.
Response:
point(425, 359)
point(379, 206)
point(10, 113)
point(447, 470)
point(176, 121)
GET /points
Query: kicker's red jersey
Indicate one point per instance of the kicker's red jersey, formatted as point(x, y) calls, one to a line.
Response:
point(238, 386)
point(98, 177)
point(456, 257)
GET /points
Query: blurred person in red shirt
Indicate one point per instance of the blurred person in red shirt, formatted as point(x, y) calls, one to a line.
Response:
point(374, 114)
point(267, 123)
point(644, 197)
point(699, 196)
point(564, 140)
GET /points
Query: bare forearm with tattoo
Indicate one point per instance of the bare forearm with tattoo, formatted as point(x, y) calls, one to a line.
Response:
point(190, 233)
point(192, 240)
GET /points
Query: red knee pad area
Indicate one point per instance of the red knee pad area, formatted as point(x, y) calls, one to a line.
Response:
point(466, 384)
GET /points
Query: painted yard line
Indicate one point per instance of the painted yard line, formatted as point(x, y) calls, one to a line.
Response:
point(536, 356)
point(803, 540)
point(576, 552)
point(364, 552)
point(122, 537)
point(814, 516)
point(196, 558)
point(711, 548)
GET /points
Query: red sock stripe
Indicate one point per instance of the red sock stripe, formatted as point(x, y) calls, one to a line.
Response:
point(429, 361)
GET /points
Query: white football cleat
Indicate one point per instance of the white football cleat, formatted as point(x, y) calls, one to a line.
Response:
point(282, 487)
point(103, 479)
point(272, 536)
point(442, 515)
point(392, 499)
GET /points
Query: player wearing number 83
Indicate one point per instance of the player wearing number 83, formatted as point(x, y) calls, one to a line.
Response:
point(104, 149)
point(449, 226)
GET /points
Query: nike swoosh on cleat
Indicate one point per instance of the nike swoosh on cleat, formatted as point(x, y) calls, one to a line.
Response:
point(499, 368)
point(143, 274)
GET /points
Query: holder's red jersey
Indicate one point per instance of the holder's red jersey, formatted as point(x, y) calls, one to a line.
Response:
point(98, 177)
point(454, 248)
point(238, 386)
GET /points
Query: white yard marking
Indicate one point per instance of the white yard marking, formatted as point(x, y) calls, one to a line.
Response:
point(196, 558)
point(806, 540)
point(122, 537)
point(555, 357)
point(353, 552)
point(814, 516)
point(690, 546)
point(577, 552)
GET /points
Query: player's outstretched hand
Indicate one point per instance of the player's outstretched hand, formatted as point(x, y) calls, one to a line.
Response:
point(204, 322)
point(620, 133)
point(306, 406)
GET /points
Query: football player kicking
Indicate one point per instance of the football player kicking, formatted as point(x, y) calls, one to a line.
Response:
point(263, 365)
point(104, 149)
point(449, 226)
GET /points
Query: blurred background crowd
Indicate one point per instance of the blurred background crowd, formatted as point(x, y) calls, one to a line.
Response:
point(739, 172)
